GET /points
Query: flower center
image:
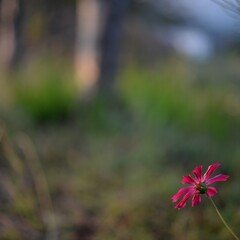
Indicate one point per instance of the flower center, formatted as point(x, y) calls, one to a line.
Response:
point(202, 188)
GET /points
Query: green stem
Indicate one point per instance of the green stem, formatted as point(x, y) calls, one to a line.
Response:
point(224, 222)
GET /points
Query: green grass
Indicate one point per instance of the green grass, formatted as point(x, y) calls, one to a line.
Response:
point(46, 92)
point(170, 97)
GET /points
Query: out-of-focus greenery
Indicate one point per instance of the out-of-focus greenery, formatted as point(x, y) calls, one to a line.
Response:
point(44, 92)
point(112, 165)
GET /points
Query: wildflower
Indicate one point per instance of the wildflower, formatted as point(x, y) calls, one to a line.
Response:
point(199, 184)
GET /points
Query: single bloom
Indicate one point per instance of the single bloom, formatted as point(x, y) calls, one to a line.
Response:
point(198, 184)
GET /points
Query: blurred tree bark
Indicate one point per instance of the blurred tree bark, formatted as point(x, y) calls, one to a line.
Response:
point(11, 40)
point(19, 35)
point(111, 43)
point(7, 40)
point(86, 50)
point(98, 41)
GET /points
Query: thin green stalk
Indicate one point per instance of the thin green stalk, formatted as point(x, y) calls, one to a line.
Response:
point(224, 222)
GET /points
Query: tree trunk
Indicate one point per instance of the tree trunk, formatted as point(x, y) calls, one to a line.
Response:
point(19, 35)
point(86, 51)
point(110, 44)
point(11, 41)
point(8, 10)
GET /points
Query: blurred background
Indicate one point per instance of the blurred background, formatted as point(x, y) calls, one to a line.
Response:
point(104, 105)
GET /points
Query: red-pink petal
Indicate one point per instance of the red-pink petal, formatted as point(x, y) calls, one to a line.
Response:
point(187, 180)
point(196, 199)
point(181, 192)
point(211, 191)
point(198, 173)
point(183, 202)
point(217, 178)
point(211, 169)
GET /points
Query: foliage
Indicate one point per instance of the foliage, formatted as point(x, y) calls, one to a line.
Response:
point(44, 92)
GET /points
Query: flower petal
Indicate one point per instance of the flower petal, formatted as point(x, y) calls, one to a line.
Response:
point(188, 180)
point(211, 169)
point(181, 192)
point(217, 178)
point(196, 199)
point(183, 202)
point(198, 173)
point(211, 191)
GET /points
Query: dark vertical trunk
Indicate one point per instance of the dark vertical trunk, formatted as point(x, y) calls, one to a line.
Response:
point(110, 45)
point(7, 35)
point(19, 35)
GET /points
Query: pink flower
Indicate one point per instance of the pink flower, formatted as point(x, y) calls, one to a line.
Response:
point(199, 184)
